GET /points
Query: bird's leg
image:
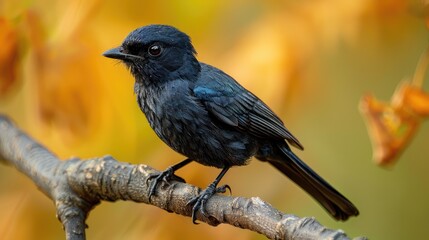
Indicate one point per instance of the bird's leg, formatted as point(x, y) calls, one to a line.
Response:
point(166, 175)
point(200, 201)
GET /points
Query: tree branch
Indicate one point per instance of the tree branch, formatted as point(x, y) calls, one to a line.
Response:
point(77, 186)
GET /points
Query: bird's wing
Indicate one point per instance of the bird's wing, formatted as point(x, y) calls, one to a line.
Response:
point(234, 106)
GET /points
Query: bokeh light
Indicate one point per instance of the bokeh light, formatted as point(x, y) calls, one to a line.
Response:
point(311, 61)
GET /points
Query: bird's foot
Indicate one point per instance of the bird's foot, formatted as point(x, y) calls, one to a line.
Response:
point(164, 176)
point(200, 201)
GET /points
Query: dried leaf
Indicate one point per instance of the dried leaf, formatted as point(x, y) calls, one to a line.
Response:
point(391, 126)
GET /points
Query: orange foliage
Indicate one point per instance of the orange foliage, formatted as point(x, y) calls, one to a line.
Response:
point(76, 102)
point(392, 126)
point(8, 56)
point(67, 86)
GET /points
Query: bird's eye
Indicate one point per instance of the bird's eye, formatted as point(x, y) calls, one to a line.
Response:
point(155, 50)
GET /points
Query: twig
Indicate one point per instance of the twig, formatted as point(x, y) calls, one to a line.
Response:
point(77, 186)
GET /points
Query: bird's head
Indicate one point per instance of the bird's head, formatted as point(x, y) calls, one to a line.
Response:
point(157, 53)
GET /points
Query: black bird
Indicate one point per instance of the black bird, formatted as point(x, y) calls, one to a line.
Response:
point(204, 114)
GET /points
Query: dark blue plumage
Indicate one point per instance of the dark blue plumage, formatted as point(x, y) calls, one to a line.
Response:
point(204, 114)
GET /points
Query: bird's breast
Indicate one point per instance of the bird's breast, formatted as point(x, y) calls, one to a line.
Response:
point(184, 124)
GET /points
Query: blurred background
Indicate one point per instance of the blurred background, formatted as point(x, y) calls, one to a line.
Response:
point(311, 61)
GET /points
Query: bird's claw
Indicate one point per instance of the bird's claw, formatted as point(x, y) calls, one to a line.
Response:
point(164, 176)
point(223, 188)
point(200, 201)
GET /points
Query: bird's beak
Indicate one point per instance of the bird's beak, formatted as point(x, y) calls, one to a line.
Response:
point(115, 53)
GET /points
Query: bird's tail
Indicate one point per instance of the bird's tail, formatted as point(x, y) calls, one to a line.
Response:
point(334, 202)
